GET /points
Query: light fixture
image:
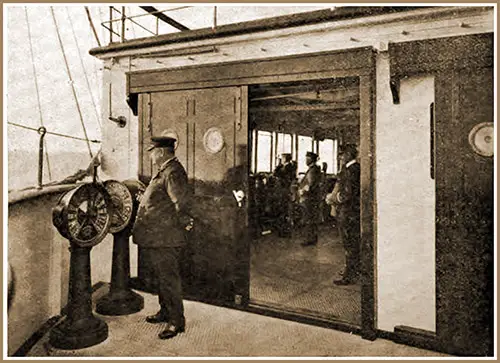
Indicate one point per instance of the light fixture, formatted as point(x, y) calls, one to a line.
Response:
point(121, 121)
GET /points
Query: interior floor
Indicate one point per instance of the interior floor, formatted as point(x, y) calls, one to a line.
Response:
point(213, 331)
point(293, 277)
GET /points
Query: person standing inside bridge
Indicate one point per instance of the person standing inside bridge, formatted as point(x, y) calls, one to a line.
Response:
point(286, 174)
point(160, 230)
point(310, 198)
point(346, 199)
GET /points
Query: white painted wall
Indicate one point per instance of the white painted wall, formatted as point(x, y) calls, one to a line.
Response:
point(120, 158)
point(406, 204)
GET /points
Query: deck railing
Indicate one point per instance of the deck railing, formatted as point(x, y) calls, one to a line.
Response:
point(119, 20)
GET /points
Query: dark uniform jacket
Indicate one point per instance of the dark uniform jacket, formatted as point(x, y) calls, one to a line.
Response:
point(163, 211)
point(310, 186)
point(286, 174)
point(347, 192)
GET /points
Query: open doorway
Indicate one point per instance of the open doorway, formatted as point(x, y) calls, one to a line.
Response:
point(287, 120)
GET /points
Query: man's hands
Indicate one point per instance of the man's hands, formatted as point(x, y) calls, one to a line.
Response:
point(189, 226)
point(186, 222)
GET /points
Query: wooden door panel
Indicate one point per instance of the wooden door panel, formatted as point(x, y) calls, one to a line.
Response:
point(215, 109)
point(464, 214)
point(219, 248)
point(169, 114)
point(215, 267)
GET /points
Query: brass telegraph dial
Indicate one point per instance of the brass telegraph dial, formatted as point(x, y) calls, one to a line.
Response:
point(122, 205)
point(83, 215)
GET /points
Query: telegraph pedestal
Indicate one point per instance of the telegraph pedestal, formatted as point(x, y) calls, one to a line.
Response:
point(82, 216)
point(120, 300)
point(80, 328)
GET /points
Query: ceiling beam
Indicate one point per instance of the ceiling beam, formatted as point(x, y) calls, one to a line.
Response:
point(339, 107)
point(152, 10)
point(319, 94)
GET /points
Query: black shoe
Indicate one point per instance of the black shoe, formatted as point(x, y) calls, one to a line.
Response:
point(159, 317)
point(344, 281)
point(310, 243)
point(171, 331)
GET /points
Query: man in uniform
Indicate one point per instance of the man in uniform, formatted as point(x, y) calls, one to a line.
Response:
point(287, 171)
point(346, 198)
point(310, 196)
point(286, 174)
point(162, 220)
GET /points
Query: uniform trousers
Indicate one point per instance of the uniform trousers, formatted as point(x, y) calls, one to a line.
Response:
point(311, 215)
point(165, 265)
point(349, 228)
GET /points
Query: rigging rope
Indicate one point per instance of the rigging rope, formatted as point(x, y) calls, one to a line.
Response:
point(83, 67)
point(35, 76)
point(132, 23)
point(71, 81)
point(53, 133)
point(94, 66)
point(91, 24)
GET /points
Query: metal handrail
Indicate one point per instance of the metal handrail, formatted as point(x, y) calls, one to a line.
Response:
point(146, 14)
point(108, 24)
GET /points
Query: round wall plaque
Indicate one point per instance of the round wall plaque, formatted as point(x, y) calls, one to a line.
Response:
point(213, 140)
point(481, 139)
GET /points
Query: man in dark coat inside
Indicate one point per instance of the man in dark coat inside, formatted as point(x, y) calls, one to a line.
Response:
point(286, 174)
point(310, 198)
point(160, 227)
point(346, 198)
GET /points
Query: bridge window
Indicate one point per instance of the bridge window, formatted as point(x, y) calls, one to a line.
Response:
point(264, 151)
point(305, 144)
point(268, 146)
point(328, 153)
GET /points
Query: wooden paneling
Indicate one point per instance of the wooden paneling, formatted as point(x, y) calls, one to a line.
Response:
point(212, 269)
point(469, 51)
point(216, 264)
point(319, 65)
point(438, 55)
point(464, 212)
point(215, 108)
point(168, 113)
point(368, 205)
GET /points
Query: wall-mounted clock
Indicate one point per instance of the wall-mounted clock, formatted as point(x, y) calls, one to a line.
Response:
point(213, 140)
point(122, 205)
point(481, 139)
point(82, 215)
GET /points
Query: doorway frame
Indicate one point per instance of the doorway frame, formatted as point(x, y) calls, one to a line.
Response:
point(358, 62)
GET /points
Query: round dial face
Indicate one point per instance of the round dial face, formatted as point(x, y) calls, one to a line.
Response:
point(481, 139)
point(121, 203)
point(213, 140)
point(85, 215)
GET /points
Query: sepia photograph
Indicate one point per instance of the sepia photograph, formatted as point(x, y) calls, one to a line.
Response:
point(284, 180)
